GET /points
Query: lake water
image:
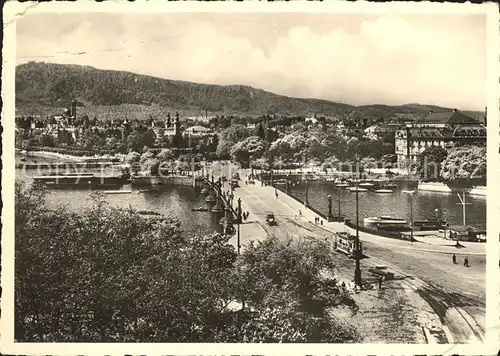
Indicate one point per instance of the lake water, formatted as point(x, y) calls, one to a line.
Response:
point(171, 201)
point(178, 202)
point(396, 204)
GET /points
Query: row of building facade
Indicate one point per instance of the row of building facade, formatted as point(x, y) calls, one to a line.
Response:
point(442, 129)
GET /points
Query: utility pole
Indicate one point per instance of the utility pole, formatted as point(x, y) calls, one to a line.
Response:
point(463, 203)
point(357, 271)
point(410, 194)
point(339, 201)
point(330, 215)
point(239, 222)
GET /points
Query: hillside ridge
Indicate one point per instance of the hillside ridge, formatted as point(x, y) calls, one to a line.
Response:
point(55, 85)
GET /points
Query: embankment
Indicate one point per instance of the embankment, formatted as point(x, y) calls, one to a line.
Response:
point(443, 188)
point(348, 223)
point(69, 158)
point(164, 180)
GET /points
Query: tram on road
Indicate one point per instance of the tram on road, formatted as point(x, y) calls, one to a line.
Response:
point(346, 243)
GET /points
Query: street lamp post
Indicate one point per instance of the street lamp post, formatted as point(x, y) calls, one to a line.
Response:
point(410, 194)
point(339, 201)
point(330, 215)
point(357, 271)
point(239, 222)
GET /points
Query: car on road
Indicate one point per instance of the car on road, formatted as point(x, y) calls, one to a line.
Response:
point(224, 178)
point(236, 176)
point(270, 219)
point(251, 182)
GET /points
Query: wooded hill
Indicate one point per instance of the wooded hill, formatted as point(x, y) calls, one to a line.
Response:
point(55, 85)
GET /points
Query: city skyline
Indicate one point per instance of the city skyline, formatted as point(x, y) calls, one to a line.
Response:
point(391, 60)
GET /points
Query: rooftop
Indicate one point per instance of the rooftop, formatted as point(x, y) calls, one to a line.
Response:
point(454, 117)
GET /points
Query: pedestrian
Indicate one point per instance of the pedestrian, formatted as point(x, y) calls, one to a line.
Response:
point(321, 222)
point(276, 195)
point(300, 212)
point(454, 259)
point(466, 262)
point(380, 282)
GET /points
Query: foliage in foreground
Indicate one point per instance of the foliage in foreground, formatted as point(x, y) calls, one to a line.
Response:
point(108, 274)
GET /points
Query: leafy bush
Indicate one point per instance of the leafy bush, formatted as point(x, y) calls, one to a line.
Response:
point(111, 275)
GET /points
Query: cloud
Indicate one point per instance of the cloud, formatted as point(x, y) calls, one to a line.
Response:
point(387, 59)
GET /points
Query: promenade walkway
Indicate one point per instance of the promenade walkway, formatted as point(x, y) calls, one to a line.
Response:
point(456, 293)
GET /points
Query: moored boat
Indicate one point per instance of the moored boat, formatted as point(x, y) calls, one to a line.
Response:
point(199, 208)
point(386, 222)
point(342, 185)
point(384, 191)
point(366, 185)
point(80, 181)
point(359, 189)
point(385, 218)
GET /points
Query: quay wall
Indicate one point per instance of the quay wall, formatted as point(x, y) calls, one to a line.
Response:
point(443, 188)
point(62, 165)
point(317, 212)
point(69, 157)
point(348, 223)
point(160, 180)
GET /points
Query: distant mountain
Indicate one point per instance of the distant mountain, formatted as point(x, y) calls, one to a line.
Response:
point(55, 85)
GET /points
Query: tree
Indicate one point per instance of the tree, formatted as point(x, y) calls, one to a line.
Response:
point(165, 155)
point(260, 132)
point(368, 163)
point(46, 140)
point(248, 149)
point(292, 289)
point(108, 274)
point(132, 157)
point(429, 163)
point(260, 163)
point(229, 137)
point(466, 164)
point(112, 275)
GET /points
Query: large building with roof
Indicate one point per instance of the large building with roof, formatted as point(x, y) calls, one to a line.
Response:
point(443, 129)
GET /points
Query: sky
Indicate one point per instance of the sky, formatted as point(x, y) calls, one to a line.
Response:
point(356, 59)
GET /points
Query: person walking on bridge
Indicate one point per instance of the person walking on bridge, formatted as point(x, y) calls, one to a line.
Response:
point(454, 258)
point(466, 261)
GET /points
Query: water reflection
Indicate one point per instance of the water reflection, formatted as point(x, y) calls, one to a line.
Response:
point(396, 204)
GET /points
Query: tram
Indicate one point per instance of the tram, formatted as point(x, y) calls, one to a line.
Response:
point(346, 243)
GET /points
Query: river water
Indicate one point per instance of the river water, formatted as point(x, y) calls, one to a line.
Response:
point(178, 202)
point(396, 204)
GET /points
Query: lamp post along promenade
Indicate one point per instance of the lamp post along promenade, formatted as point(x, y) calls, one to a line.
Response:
point(330, 215)
point(410, 195)
point(357, 271)
point(239, 222)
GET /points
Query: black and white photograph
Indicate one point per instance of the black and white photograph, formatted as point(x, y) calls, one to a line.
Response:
point(257, 177)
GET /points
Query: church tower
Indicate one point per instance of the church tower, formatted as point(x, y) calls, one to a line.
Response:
point(169, 121)
point(177, 125)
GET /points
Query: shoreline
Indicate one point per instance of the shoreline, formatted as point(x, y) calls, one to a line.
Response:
point(439, 187)
point(372, 234)
point(69, 158)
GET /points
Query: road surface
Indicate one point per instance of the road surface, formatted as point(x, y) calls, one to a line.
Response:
point(454, 293)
